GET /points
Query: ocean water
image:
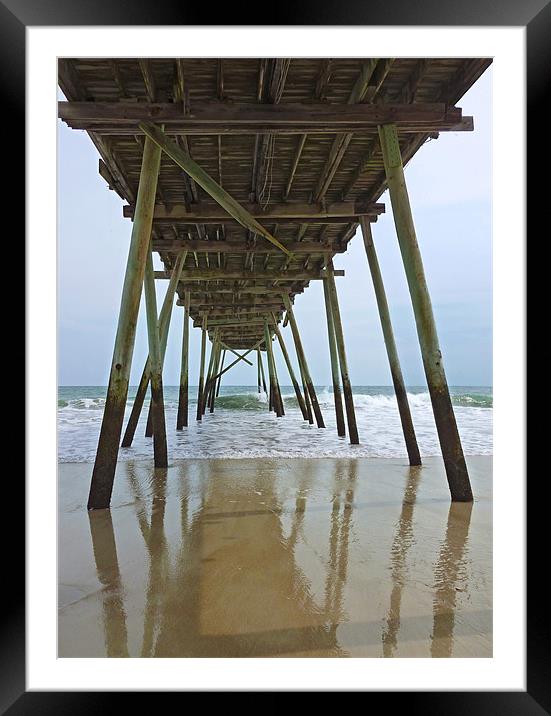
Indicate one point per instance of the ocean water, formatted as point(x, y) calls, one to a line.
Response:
point(242, 426)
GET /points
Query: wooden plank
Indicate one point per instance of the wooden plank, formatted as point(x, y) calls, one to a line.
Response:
point(242, 247)
point(240, 118)
point(298, 211)
point(221, 275)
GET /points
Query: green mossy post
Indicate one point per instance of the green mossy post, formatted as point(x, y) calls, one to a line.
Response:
point(212, 393)
point(103, 472)
point(307, 403)
point(164, 324)
point(210, 374)
point(220, 377)
point(160, 450)
point(300, 399)
point(199, 415)
point(261, 368)
point(182, 416)
point(274, 394)
point(450, 443)
point(281, 407)
point(302, 360)
point(388, 334)
point(339, 337)
point(339, 413)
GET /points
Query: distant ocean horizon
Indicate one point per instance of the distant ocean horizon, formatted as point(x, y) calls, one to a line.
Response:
point(242, 426)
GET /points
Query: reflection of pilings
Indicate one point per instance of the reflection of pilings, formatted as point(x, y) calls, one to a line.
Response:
point(158, 563)
point(339, 538)
point(107, 568)
point(403, 539)
point(447, 574)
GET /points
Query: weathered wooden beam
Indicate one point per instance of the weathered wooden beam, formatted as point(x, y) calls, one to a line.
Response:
point(225, 347)
point(160, 449)
point(103, 471)
point(124, 118)
point(222, 368)
point(450, 442)
point(221, 275)
point(292, 211)
point(221, 319)
point(164, 324)
point(207, 182)
point(302, 360)
point(287, 359)
point(199, 414)
point(275, 395)
point(242, 247)
point(339, 337)
point(240, 358)
point(296, 159)
point(210, 371)
point(261, 369)
point(339, 414)
point(182, 415)
point(236, 321)
point(392, 352)
point(220, 292)
point(149, 79)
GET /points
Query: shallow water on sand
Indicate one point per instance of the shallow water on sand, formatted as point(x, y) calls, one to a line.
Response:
point(265, 558)
point(244, 427)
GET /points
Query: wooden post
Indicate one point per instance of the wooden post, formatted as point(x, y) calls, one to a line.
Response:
point(164, 323)
point(450, 443)
point(220, 377)
point(103, 472)
point(210, 373)
point(302, 360)
point(274, 395)
point(306, 396)
point(214, 381)
point(240, 358)
point(294, 381)
point(395, 369)
point(160, 450)
point(199, 415)
point(339, 337)
point(276, 383)
point(182, 417)
point(341, 429)
point(262, 370)
point(259, 381)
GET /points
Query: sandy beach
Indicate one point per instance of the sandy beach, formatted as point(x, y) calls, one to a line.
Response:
point(297, 557)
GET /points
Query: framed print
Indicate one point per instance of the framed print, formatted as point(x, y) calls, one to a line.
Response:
point(261, 475)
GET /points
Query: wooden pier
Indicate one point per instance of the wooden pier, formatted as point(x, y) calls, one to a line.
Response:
point(247, 177)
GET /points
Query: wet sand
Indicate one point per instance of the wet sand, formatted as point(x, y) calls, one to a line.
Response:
point(276, 557)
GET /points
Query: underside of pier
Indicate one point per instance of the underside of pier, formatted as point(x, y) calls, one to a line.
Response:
point(248, 177)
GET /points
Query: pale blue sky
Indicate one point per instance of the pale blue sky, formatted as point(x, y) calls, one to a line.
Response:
point(449, 183)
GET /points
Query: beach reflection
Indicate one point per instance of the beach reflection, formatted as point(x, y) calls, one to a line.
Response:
point(229, 576)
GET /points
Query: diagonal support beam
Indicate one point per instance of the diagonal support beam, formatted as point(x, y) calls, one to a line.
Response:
point(205, 181)
point(235, 362)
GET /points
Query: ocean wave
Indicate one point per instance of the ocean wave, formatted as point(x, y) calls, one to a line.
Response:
point(256, 401)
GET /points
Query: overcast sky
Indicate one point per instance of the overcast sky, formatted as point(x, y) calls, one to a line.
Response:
point(449, 183)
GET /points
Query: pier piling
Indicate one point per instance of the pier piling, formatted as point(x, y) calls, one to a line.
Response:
point(392, 353)
point(450, 442)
